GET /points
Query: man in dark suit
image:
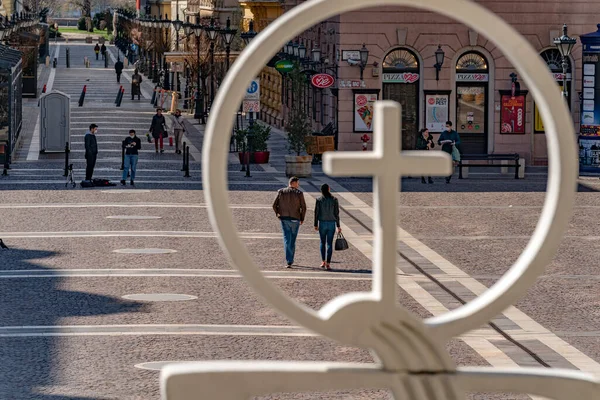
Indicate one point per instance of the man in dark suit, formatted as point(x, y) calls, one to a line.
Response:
point(119, 69)
point(91, 151)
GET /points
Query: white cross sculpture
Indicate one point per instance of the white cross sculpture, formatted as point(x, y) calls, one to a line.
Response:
point(411, 354)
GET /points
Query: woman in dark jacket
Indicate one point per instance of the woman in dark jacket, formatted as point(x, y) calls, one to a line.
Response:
point(327, 218)
point(425, 142)
point(158, 129)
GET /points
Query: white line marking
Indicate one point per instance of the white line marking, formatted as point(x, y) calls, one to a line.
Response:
point(129, 205)
point(181, 234)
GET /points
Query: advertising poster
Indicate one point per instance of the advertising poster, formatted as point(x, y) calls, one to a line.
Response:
point(589, 139)
point(512, 114)
point(436, 112)
point(364, 104)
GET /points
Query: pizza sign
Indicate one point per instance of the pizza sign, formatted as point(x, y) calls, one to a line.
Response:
point(322, 81)
point(406, 77)
point(363, 111)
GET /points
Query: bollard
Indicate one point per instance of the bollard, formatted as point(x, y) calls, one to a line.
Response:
point(67, 151)
point(54, 62)
point(121, 97)
point(68, 61)
point(183, 167)
point(82, 96)
point(122, 155)
point(44, 89)
point(106, 61)
point(187, 164)
point(118, 94)
point(47, 61)
point(6, 165)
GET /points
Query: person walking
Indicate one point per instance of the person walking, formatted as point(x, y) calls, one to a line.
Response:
point(449, 140)
point(290, 208)
point(119, 69)
point(97, 50)
point(158, 129)
point(136, 81)
point(327, 219)
point(103, 51)
point(425, 142)
point(131, 144)
point(91, 151)
point(178, 130)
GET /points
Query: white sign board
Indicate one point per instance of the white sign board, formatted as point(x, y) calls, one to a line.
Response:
point(436, 113)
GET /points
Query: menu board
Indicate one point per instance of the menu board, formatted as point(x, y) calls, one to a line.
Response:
point(512, 114)
point(436, 111)
point(590, 107)
point(364, 104)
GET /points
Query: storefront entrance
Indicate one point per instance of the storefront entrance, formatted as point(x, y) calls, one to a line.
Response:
point(401, 84)
point(472, 103)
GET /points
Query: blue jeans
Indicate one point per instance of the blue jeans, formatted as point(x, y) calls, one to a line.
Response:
point(327, 231)
point(130, 162)
point(290, 232)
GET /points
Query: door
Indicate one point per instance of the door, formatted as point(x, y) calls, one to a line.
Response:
point(55, 122)
point(471, 118)
point(407, 94)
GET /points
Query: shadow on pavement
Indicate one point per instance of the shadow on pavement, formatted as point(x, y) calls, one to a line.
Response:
point(30, 363)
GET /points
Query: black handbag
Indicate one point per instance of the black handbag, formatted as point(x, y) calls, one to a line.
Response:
point(341, 243)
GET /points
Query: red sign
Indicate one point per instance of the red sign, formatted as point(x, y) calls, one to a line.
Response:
point(361, 100)
point(322, 81)
point(512, 114)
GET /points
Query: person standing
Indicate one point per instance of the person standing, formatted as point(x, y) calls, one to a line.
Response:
point(136, 81)
point(97, 50)
point(425, 142)
point(449, 139)
point(119, 69)
point(158, 129)
point(327, 219)
point(103, 51)
point(91, 151)
point(290, 208)
point(178, 130)
point(131, 144)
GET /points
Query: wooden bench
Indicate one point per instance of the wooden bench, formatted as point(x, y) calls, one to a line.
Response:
point(507, 160)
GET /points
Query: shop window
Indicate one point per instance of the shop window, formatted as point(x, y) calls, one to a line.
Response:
point(553, 59)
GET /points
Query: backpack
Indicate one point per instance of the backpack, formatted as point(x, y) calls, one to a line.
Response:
point(102, 182)
point(87, 184)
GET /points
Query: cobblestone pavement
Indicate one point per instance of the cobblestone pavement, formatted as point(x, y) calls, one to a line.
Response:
point(70, 330)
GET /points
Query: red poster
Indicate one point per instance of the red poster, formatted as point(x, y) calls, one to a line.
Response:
point(512, 115)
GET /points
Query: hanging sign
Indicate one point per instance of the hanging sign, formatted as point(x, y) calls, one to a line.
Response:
point(472, 77)
point(402, 77)
point(249, 106)
point(284, 66)
point(351, 84)
point(512, 115)
point(436, 114)
point(322, 81)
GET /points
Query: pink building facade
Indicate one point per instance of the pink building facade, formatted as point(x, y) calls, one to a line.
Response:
point(475, 86)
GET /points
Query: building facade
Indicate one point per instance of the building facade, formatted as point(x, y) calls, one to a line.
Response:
point(474, 87)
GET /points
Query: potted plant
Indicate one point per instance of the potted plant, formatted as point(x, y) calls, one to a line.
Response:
point(259, 138)
point(240, 143)
point(298, 130)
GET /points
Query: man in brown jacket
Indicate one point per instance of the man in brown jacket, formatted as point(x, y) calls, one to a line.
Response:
point(290, 208)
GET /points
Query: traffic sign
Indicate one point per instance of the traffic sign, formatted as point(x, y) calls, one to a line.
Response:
point(253, 91)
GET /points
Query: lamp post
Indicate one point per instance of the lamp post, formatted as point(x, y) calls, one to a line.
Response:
point(199, 108)
point(364, 58)
point(212, 31)
point(166, 24)
point(250, 34)
point(155, 56)
point(177, 24)
point(228, 34)
point(565, 44)
point(439, 61)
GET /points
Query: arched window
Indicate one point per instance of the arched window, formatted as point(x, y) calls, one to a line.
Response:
point(401, 59)
point(472, 62)
point(553, 59)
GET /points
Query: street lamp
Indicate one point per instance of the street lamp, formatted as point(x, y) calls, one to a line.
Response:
point(289, 48)
point(296, 49)
point(228, 34)
point(302, 52)
point(250, 34)
point(177, 24)
point(364, 58)
point(199, 108)
point(439, 61)
point(212, 31)
point(316, 54)
point(565, 44)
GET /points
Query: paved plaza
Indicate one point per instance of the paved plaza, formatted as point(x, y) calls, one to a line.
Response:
point(72, 325)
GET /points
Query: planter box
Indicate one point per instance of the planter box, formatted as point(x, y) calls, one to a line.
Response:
point(300, 166)
point(319, 144)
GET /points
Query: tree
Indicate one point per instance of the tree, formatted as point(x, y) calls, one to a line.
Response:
point(298, 126)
